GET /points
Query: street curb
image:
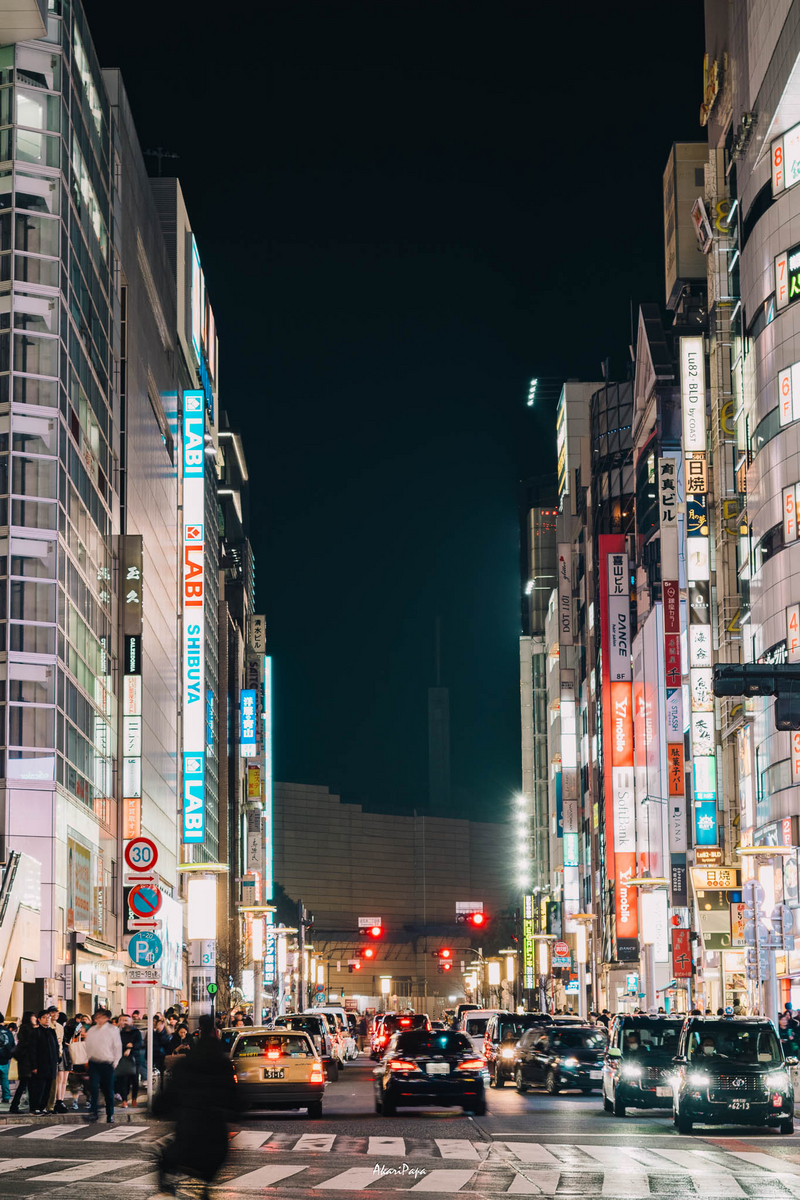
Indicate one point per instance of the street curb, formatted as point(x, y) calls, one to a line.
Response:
point(123, 1117)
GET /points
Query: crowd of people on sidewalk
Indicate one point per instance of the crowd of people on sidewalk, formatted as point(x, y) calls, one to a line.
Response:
point(58, 1062)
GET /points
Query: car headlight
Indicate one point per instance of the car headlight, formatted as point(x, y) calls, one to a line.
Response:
point(779, 1080)
point(698, 1079)
point(631, 1071)
point(507, 1052)
point(570, 1062)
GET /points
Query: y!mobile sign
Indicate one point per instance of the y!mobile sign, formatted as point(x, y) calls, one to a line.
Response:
point(194, 711)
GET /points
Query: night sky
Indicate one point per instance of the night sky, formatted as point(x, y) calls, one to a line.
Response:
point(404, 212)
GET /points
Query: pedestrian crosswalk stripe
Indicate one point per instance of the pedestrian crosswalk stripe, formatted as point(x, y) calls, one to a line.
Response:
point(315, 1143)
point(117, 1133)
point(249, 1139)
point(263, 1177)
point(611, 1156)
point(533, 1152)
point(352, 1180)
point(457, 1148)
point(7, 1165)
point(387, 1145)
point(546, 1183)
point(48, 1132)
point(625, 1183)
point(443, 1181)
point(84, 1170)
point(777, 1165)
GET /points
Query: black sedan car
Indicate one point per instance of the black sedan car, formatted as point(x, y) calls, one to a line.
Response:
point(423, 1068)
point(732, 1072)
point(560, 1056)
point(638, 1068)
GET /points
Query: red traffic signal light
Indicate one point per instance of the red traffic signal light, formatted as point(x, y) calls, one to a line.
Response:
point(353, 966)
point(442, 953)
point(367, 952)
point(477, 919)
point(445, 966)
point(373, 931)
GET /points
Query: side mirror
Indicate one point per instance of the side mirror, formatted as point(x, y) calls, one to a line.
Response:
point(614, 1052)
point(792, 1061)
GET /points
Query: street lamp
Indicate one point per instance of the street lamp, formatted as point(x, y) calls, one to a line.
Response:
point(583, 921)
point(648, 883)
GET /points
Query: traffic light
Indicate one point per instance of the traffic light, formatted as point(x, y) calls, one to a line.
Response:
point(478, 920)
point(445, 958)
point(372, 931)
point(442, 953)
point(370, 952)
point(353, 965)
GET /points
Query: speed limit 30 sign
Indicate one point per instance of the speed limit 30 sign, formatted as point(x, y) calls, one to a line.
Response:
point(141, 854)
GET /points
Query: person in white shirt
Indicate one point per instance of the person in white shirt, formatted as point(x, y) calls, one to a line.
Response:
point(104, 1049)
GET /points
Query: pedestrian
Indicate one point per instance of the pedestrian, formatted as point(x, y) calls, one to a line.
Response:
point(26, 1061)
point(7, 1048)
point(180, 1042)
point(200, 1097)
point(131, 1039)
point(161, 1036)
point(46, 1064)
point(104, 1049)
point(57, 1021)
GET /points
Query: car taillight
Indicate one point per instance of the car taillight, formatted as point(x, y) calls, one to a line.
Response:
point(402, 1064)
point(235, 1077)
point(273, 1054)
point(472, 1064)
point(316, 1073)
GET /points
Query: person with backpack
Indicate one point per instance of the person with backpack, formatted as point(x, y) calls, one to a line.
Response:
point(7, 1048)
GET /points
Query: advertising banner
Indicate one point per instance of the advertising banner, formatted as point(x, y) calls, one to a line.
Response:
point(681, 954)
point(565, 628)
point(693, 393)
point(193, 605)
point(619, 618)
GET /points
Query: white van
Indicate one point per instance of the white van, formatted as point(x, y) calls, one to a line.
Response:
point(474, 1022)
point(348, 1042)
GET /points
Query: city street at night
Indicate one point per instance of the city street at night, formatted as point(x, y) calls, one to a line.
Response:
point(525, 1145)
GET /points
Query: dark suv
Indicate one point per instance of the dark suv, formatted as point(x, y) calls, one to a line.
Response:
point(732, 1071)
point(502, 1034)
point(560, 1056)
point(638, 1068)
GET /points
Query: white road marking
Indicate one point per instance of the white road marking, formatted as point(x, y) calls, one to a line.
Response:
point(777, 1166)
point(7, 1165)
point(48, 1132)
point(442, 1181)
point(14, 1127)
point(546, 1182)
point(533, 1152)
point(263, 1177)
point(456, 1148)
point(315, 1143)
point(613, 1157)
point(387, 1145)
point(625, 1183)
point(687, 1159)
point(84, 1170)
point(352, 1180)
point(249, 1139)
point(117, 1133)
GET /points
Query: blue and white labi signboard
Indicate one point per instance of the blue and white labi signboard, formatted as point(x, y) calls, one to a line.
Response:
point(145, 949)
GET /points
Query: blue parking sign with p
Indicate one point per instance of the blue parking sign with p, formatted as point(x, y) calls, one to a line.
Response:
point(145, 949)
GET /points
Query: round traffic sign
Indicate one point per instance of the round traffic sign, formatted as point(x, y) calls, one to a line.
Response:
point(144, 901)
point(561, 950)
point(753, 892)
point(141, 854)
point(145, 949)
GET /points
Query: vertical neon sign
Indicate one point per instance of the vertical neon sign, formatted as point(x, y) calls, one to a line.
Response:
point(267, 777)
point(193, 611)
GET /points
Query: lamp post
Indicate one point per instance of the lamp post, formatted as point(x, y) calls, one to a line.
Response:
point(648, 883)
point(583, 921)
point(766, 1000)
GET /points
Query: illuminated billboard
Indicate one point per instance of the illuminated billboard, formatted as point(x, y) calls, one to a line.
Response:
point(247, 733)
point(193, 611)
point(785, 155)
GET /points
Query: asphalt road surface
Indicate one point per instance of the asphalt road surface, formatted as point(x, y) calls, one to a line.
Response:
point(526, 1146)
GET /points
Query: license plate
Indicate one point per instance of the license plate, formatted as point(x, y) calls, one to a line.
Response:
point(663, 1091)
point(595, 1074)
point(739, 1105)
point(437, 1068)
point(274, 1073)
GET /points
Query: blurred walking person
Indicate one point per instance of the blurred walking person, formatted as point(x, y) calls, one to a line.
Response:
point(104, 1049)
point(199, 1097)
point(47, 1056)
point(26, 1061)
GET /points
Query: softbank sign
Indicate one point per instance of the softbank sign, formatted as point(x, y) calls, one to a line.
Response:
point(193, 602)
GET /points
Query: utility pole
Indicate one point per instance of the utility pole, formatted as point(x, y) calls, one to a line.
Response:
point(302, 998)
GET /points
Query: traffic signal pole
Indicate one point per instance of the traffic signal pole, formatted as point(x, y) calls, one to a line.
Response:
point(302, 1003)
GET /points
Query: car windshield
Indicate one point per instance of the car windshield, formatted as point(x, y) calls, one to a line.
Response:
point(301, 1024)
point(286, 1045)
point(476, 1026)
point(512, 1028)
point(422, 1043)
point(650, 1037)
point(579, 1039)
point(411, 1021)
point(755, 1044)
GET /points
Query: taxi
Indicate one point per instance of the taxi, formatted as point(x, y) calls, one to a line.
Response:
point(278, 1068)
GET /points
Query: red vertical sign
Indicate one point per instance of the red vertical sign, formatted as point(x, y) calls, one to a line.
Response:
point(681, 954)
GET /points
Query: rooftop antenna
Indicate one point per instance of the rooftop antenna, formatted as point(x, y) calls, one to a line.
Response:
point(159, 155)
